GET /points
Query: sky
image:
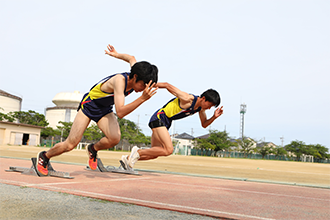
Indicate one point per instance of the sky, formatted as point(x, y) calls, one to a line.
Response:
point(274, 56)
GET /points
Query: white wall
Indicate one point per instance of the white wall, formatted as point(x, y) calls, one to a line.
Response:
point(9, 104)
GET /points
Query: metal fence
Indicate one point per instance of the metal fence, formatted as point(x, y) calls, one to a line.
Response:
point(236, 154)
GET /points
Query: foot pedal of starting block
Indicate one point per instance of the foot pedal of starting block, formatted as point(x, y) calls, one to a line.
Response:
point(120, 169)
point(32, 171)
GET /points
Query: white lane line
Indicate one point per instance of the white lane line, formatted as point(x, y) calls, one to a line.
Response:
point(238, 190)
point(194, 209)
point(92, 181)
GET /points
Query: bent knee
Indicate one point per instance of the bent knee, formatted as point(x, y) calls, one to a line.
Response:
point(115, 139)
point(169, 151)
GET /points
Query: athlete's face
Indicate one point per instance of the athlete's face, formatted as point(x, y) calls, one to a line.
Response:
point(206, 104)
point(139, 86)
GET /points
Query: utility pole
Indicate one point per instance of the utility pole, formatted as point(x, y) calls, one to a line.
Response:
point(282, 139)
point(192, 132)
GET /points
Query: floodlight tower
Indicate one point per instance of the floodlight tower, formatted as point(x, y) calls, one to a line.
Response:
point(242, 112)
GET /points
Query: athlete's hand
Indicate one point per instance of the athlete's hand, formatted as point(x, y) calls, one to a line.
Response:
point(111, 51)
point(218, 112)
point(149, 91)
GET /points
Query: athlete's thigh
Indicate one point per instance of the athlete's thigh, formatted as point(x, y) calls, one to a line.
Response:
point(109, 125)
point(79, 125)
point(160, 136)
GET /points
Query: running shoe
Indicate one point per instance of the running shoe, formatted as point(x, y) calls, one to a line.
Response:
point(134, 156)
point(92, 157)
point(124, 162)
point(42, 164)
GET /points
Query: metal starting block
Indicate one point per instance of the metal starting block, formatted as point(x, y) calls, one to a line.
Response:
point(32, 171)
point(113, 169)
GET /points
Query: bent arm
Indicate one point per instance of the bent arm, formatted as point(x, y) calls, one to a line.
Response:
point(206, 122)
point(121, 109)
point(126, 57)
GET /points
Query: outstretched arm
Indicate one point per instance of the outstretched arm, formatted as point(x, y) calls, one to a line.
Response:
point(206, 122)
point(126, 57)
point(183, 96)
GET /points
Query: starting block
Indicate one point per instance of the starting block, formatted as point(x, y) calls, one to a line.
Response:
point(113, 169)
point(32, 171)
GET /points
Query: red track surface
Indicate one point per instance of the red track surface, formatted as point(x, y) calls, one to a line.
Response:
point(199, 195)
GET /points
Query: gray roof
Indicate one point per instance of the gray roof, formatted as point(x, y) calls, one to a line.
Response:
point(185, 136)
point(203, 136)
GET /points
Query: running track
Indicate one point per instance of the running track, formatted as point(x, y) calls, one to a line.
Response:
point(206, 196)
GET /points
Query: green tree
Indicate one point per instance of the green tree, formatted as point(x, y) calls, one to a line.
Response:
point(264, 150)
point(319, 151)
point(279, 151)
point(30, 117)
point(220, 139)
point(6, 117)
point(204, 144)
point(131, 133)
point(47, 132)
point(93, 133)
point(298, 148)
point(63, 129)
point(246, 145)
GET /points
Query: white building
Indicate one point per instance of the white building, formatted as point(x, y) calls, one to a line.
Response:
point(184, 144)
point(65, 109)
point(12, 133)
point(9, 102)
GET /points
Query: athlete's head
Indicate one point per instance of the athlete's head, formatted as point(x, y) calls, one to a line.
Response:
point(144, 71)
point(212, 98)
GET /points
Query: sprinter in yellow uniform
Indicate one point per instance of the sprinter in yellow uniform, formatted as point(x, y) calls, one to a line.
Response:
point(180, 107)
point(97, 105)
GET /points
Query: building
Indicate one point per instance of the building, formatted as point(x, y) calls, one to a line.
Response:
point(14, 133)
point(183, 144)
point(271, 145)
point(9, 102)
point(65, 109)
point(19, 134)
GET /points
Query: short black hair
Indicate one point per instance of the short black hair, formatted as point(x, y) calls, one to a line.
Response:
point(213, 96)
point(145, 72)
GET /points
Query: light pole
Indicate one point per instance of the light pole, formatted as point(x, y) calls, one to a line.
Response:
point(242, 112)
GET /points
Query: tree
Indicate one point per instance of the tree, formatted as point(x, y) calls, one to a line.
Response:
point(298, 148)
point(93, 133)
point(264, 150)
point(63, 129)
point(4, 117)
point(279, 151)
point(220, 139)
point(131, 133)
point(47, 132)
point(246, 144)
point(204, 144)
point(319, 151)
point(30, 117)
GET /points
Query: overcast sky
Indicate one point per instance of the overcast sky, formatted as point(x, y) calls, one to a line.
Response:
point(272, 55)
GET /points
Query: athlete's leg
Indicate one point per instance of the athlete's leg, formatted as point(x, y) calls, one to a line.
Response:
point(161, 145)
point(110, 127)
point(79, 125)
